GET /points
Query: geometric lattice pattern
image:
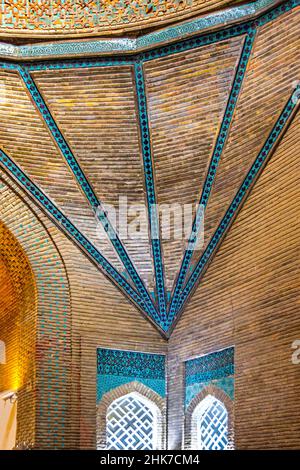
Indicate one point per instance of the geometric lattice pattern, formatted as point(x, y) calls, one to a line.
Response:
point(130, 424)
point(212, 425)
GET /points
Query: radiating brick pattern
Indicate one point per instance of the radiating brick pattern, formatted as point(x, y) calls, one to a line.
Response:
point(187, 96)
point(96, 111)
point(174, 119)
point(272, 73)
point(25, 138)
point(249, 298)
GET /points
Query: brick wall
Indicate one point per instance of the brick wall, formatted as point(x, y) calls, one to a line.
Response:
point(101, 317)
point(249, 298)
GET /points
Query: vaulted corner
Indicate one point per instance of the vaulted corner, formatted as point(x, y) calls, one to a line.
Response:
point(148, 184)
point(18, 320)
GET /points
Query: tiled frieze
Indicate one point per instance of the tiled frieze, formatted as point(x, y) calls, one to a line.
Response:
point(116, 368)
point(121, 374)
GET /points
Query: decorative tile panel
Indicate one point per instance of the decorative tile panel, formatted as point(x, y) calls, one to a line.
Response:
point(30, 175)
point(115, 368)
point(212, 369)
point(84, 16)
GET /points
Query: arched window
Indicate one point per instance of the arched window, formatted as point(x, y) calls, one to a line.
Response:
point(210, 424)
point(132, 423)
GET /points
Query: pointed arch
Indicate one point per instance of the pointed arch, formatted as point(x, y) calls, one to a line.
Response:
point(45, 305)
point(190, 426)
point(143, 393)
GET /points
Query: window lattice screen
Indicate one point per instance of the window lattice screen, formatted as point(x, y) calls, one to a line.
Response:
point(130, 425)
point(212, 425)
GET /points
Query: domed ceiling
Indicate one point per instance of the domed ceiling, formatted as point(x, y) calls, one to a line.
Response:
point(86, 17)
point(187, 123)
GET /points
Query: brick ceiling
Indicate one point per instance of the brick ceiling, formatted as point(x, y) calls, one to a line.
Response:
point(192, 123)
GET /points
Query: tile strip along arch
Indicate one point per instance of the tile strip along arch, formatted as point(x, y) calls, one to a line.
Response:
point(72, 232)
point(275, 135)
point(83, 182)
point(213, 166)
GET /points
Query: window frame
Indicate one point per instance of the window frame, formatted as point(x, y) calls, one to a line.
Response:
point(152, 407)
point(189, 428)
point(197, 417)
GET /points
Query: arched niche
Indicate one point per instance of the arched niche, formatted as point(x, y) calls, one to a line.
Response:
point(214, 399)
point(38, 280)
